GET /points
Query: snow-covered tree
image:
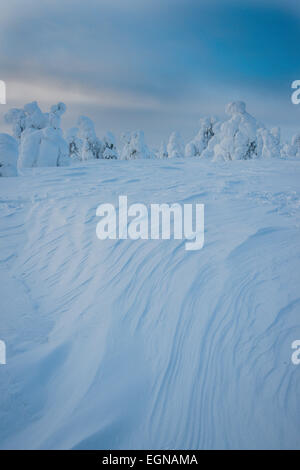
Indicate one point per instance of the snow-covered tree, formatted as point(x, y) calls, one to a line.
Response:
point(270, 143)
point(74, 143)
point(208, 152)
point(195, 147)
point(35, 118)
point(285, 151)
point(276, 133)
point(238, 135)
point(92, 147)
point(53, 149)
point(125, 138)
point(163, 153)
point(109, 147)
point(29, 149)
point(55, 114)
point(175, 146)
point(291, 150)
point(296, 144)
point(43, 146)
point(17, 118)
point(32, 118)
point(8, 155)
point(134, 146)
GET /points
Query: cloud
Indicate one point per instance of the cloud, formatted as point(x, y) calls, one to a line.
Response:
point(130, 58)
point(49, 92)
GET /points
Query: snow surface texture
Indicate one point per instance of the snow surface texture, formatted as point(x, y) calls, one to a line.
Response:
point(141, 344)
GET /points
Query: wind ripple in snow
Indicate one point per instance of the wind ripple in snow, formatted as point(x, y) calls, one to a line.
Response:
point(141, 344)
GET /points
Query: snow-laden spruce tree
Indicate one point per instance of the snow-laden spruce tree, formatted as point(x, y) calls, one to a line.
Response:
point(134, 146)
point(162, 153)
point(35, 118)
point(43, 146)
point(195, 147)
point(287, 151)
point(292, 149)
point(296, 144)
point(74, 143)
point(57, 110)
point(92, 147)
point(269, 144)
point(276, 133)
point(30, 118)
point(175, 146)
point(208, 152)
point(17, 119)
point(53, 149)
point(238, 135)
point(109, 147)
point(8, 155)
point(125, 152)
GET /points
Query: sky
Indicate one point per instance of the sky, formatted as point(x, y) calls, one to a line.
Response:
point(155, 65)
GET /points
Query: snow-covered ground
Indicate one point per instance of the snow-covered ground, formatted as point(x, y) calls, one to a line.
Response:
point(142, 344)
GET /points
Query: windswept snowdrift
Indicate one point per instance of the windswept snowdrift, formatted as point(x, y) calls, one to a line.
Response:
point(141, 344)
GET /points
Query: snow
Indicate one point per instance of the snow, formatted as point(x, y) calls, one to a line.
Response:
point(74, 143)
point(92, 147)
point(175, 146)
point(134, 146)
point(16, 117)
point(162, 153)
point(110, 147)
point(45, 147)
point(35, 118)
point(296, 145)
point(238, 135)
point(121, 344)
point(201, 140)
point(41, 141)
point(270, 144)
point(8, 155)
point(39, 138)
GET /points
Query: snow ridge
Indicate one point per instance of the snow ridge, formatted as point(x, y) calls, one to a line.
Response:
point(140, 344)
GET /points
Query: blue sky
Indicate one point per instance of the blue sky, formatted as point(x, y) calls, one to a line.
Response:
point(153, 65)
